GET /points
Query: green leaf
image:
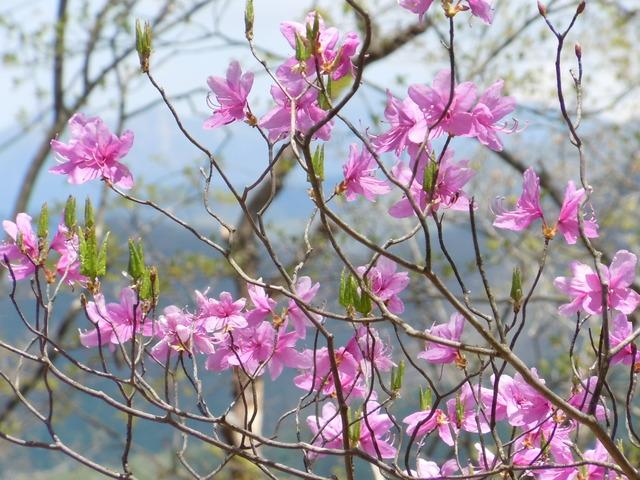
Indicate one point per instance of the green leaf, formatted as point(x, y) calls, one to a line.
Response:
point(101, 266)
point(397, 375)
point(89, 216)
point(70, 220)
point(302, 50)
point(136, 267)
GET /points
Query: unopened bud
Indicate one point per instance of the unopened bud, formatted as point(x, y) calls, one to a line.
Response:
point(248, 20)
point(581, 7)
point(144, 38)
point(578, 49)
point(542, 9)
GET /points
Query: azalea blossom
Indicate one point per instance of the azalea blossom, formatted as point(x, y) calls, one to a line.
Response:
point(180, 332)
point(472, 418)
point(446, 191)
point(622, 329)
point(479, 8)
point(332, 56)
point(221, 315)
point(434, 100)
point(231, 93)
point(307, 110)
point(368, 348)
point(426, 421)
point(67, 244)
point(359, 176)
point(407, 126)
point(115, 322)
point(93, 152)
point(386, 283)
point(263, 303)
point(489, 110)
point(528, 209)
point(374, 425)
point(437, 353)
point(524, 405)
point(585, 291)
point(581, 398)
point(318, 376)
point(22, 252)
point(306, 290)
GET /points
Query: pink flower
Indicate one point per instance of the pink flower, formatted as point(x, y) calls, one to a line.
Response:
point(408, 126)
point(426, 421)
point(93, 152)
point(528, 209)
point(568, 219)
point(368, 348)
point(308, 112)
point(22, 252)
point(326, 429)
point(375, 426)
point(231, 93)
point(286, 355)
point(581, 398)
point(359, 176)
point(433, 101)
point(68, 265)
point(306, 290)
point(180, 332)
point(436, 353)
point(386, 283)
point(332, 58)
point(481, 9)
point(263, 303)
point(318, 376)
point(221, 315)
point(446, 192)
point(115, 321)
point(622, 329)
point(524, 405)
point(416, 6)
point(490, 109)
point(474, 419)
point(585, 290)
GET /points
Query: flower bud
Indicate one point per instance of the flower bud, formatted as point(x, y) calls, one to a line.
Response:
point(516, 289)
point(578, 50)
point(425, 399)
point(581, 6)
point(542, 9)
point(144, 37)
point(43, 223)
point(397, 375)
point(248, 20)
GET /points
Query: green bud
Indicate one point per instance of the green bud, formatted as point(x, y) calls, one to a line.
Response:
point(516, 289)
point(43, 223)
point(318, 162)
point(430, 176)
point(70, 220)
point(248, 20)
point(144, 38)
point(459, 411)
point(354, 426)
point(302, 50)
point(425, 399)
point(397, 375)
point(363, 301)
point(324, 97)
